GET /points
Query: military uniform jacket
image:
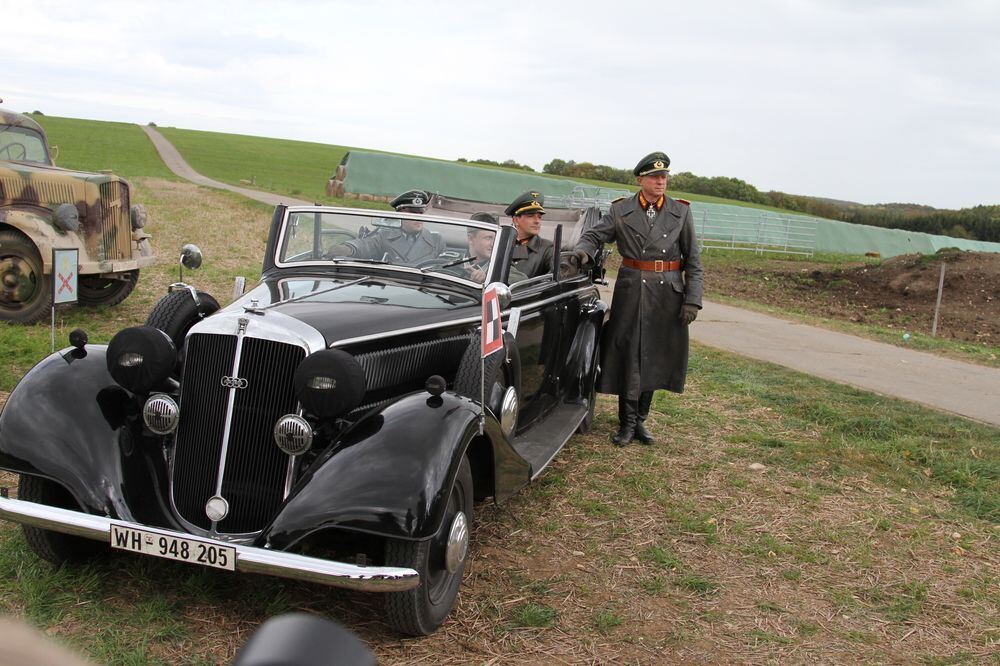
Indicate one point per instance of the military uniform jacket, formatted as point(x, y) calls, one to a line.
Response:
point(645, 345)
point(534, 258)
point(397, 247)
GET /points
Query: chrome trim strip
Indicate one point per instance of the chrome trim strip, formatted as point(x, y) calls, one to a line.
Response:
point(525, 311)
point(249, 559)
point(229, 421)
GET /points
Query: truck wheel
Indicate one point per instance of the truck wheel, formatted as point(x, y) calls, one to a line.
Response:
point(176, 313)
point(418, 612)
point(96, 290)
point(25, 291)
point(55, 547)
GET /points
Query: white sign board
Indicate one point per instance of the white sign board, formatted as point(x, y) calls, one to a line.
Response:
point(64, 275)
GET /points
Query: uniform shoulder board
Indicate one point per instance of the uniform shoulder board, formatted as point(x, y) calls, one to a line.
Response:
point(617, 200)
point(683, 201)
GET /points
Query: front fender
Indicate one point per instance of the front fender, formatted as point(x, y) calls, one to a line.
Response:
point(68, 421)
point(392, 472)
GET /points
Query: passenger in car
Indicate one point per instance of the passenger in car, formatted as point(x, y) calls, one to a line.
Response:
point(481, 248)
point(533, 254)
point(409, 245)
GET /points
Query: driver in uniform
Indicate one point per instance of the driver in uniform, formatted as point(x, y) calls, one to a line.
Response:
point(409, 245)
point(481, 249)
point(532, 253)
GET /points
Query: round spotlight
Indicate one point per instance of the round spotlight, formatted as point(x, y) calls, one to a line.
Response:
point(435, 385)
point(161, 414)
point(293, 434)
point(216, 508)
point(329, 383)
point(67, 217)
point(141, 358)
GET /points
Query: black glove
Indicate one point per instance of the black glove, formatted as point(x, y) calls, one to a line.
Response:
point(580, 258)
point(688, 313)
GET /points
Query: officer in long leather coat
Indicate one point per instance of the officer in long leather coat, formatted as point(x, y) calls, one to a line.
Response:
point(657, 294)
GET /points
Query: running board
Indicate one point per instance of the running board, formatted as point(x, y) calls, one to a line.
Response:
point(541, 444)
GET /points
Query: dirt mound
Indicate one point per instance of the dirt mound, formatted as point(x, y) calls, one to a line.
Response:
point(898, 292)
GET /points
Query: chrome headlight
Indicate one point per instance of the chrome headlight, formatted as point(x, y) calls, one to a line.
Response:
point(161, 414)
point(293, 434)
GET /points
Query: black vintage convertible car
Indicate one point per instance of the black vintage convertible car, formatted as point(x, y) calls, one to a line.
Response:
point(326, 426)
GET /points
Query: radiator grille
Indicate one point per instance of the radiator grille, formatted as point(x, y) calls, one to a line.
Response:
point(255, 468)
point(116, 228)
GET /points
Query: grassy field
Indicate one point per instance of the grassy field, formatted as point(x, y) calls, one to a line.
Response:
point(780, 518)
point(92, 145)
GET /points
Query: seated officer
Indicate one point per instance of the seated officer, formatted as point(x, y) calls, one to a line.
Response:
point(409, 245)
point(533, 254)
point(481, 248)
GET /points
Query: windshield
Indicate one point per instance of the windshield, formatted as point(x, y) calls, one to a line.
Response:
point(20, 144)
point(454, 248)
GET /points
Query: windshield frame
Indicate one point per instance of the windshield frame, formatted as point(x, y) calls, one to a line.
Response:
point(19, 129)
point(375, 267)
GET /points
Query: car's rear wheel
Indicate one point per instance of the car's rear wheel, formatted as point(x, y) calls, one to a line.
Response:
point(440, 561)
point(25, 290)
point(588, 420)
point(55, 547)
point(176, 313)
point(95, 290)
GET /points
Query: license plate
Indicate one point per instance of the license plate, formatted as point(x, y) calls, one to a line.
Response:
point(206, 553)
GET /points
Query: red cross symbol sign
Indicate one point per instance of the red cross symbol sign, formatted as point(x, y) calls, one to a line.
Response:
point(65, 283)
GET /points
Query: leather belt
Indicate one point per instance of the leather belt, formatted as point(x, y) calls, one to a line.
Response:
point(658, 265)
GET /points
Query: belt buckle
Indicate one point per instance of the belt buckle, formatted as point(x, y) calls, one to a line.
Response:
point(657, 265)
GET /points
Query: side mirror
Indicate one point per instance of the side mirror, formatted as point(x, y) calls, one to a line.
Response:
point(503, 293)
point(190, 258)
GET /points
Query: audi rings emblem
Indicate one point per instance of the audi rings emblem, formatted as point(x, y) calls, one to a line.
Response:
point(234, 382)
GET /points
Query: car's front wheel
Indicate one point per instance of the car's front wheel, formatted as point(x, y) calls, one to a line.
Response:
point(55, 547)
point(440, 561)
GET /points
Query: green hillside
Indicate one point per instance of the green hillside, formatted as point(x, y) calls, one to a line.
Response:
point(92, 145)
point(298, 168)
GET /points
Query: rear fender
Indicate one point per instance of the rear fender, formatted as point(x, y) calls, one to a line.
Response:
point(581, 358)
point(68, 421)
point(391, 474)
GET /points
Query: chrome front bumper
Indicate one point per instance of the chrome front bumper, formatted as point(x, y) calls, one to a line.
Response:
point(249, 559)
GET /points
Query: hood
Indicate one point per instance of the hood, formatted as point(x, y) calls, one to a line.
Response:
point(375, 305)
point(49, 186)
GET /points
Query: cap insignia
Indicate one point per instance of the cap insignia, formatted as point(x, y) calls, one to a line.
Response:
point(417, 201)
point(657, 164)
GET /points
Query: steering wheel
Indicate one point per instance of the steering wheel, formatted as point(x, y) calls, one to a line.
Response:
point(10, 153)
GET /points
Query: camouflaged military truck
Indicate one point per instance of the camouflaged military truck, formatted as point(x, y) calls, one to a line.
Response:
point(44, 207)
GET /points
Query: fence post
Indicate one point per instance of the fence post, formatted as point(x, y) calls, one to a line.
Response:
point(937, 306)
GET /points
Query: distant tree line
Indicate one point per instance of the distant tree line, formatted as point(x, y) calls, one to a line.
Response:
point(510, 164)
point(978, 223)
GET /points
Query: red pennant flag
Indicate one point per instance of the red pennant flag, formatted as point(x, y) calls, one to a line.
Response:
point(492, 333)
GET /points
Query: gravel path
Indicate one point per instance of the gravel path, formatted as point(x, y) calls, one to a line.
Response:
point(961, 388)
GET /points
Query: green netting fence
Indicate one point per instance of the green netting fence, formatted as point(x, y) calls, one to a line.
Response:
point(719, 225)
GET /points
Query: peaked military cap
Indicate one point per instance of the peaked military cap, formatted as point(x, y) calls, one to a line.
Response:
point(417, 199)
point(529, 202)
point(657, 162)
point(489, 218)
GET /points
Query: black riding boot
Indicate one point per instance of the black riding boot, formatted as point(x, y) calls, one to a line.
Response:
point(641, 434)
point(626, 421)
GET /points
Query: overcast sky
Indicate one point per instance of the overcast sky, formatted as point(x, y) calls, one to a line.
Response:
point(871, 101)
